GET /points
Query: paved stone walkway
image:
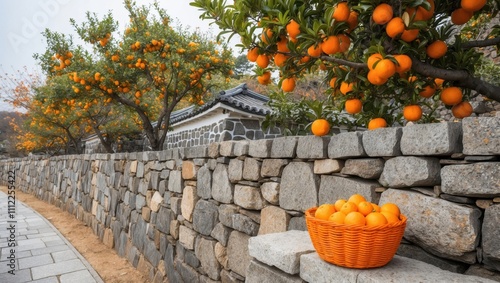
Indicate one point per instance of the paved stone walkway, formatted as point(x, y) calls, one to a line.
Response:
point(41, 253)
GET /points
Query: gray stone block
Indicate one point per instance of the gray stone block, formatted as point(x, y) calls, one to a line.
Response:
point(415, 252)
point(205, 251)
point(346, 145)
point(187, 273)
point(312, 147)
point(473, 180)
point(270, 192)
point(261, 273)
point(273, 167)
point(205, 217)
point(299, 187)
point(251, 169)
point(196, 152)
point(175, 182)
point(187, 237)
point(282, 250)
point(433, 218)
point(222, 189)
point(204, 184)
point(284, 147)
point(221, 233)
point(213, 150)
point(245, 224)
point(383, 142)
point(333, 188)
point(260, 148)
point(273, 220)
point(237, 250)
point(226, 212)
point(235, 170)
point(491, 237)
point(481, 135)
point(226, 148)
point(408, 171)
point(163, 219)
point(297, 223)
point(328, 166)
point(432, 139)
point(241, 148)
point(399, 269)
point(367, 168)
point(248, 197)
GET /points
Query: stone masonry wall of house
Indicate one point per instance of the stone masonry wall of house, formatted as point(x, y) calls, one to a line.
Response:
point(189, 213)
point(224, 130)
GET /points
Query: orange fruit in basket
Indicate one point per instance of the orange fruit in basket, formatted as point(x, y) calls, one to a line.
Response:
point(356, 199)
point(324, 211)
point(375, 219)
point(365, 208)
point(355, 218)
point(390, 207)
point(337, 217)
point(349, 207)
point(339, 203)
point(391, 218)
point(376, 208)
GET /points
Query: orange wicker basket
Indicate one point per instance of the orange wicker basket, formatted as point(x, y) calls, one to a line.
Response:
point(354, 246)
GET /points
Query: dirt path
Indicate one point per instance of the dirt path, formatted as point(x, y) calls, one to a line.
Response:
point(104, 260)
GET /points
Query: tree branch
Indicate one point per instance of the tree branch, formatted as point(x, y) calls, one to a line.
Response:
point(344, 62)
point(461, 77)
point(481, 43)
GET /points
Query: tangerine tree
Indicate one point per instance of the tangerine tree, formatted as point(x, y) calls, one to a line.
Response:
point(148, 69)
point(384, 59)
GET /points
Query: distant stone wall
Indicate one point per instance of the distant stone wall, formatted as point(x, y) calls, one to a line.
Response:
point(189, 213)
point(224, 130)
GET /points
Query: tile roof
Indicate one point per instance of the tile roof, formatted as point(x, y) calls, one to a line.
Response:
point(239, 97)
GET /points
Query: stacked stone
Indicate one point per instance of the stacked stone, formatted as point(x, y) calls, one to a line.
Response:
point(188, 214)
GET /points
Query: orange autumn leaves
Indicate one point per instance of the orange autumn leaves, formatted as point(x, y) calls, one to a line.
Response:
point(356, 210)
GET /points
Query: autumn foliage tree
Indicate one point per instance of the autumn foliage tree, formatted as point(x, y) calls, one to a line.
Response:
point(145, 71)
point(385, 59)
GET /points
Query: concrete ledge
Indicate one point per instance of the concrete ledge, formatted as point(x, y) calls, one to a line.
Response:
point(399, 269)
point(282, 250)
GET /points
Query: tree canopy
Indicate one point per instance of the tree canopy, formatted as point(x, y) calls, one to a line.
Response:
point(395, 60)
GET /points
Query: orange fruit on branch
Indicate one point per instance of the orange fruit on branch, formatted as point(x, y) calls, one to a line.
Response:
point(253, 54)
point(377, 123)
point(346, 87)
point(374, 58)
point(331, 45)
point(461, 16)
point(265, 78)
point(320, 127)
point(341, 12)
point(385, 69)
point(412, 112)
point(314, 50)
point(262, 61)
point(288, 84)
point(451, 95)
point(382, 14)
point(462, 110)
point(472, 5)
point(428, 91)
point(404, 63)
point(410, 35)
point(353, 106)
point(437, 49)
point(395, 27)
point(293, 28)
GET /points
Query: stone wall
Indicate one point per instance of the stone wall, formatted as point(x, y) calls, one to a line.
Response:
point(189, 213)
point(224, 130)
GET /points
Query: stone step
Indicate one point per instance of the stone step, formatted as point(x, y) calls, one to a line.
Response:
point(290, 257)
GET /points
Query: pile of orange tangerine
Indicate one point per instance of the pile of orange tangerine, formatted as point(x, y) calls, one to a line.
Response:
point(358, 211)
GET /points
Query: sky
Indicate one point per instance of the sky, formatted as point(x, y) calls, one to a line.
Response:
point(22, 21)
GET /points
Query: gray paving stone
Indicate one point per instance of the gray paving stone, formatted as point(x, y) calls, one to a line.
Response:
point(55, 243)
point(36, 234)
point(35, 261)
point(52, 279)
point(19, 277)
point(57, 268)
point(63, 255)
point(82, 276)
point(19, 255)
point(49, 250)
